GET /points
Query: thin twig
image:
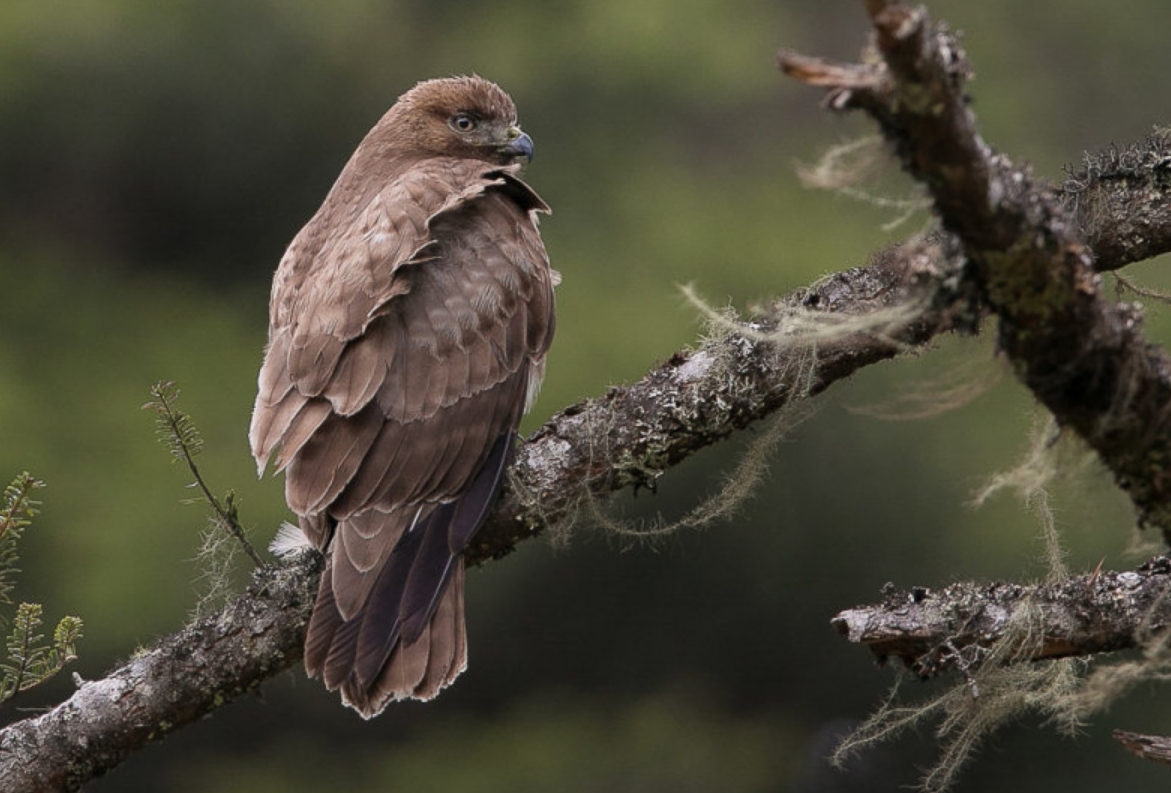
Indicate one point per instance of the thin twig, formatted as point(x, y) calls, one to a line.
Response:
point(179, 431)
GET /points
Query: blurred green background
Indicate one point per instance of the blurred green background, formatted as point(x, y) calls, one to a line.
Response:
point(155, 158)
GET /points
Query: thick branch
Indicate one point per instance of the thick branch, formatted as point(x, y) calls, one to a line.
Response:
point(182, 678)
point(634, 433)
point(625, 438)
point(929, 631)
point(1083, 357)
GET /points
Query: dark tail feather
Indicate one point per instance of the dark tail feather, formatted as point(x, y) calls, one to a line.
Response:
point(432, 563)
point(323, 625)
point(408, 640)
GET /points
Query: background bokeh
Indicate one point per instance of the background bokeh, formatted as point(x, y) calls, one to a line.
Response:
point(155, 158)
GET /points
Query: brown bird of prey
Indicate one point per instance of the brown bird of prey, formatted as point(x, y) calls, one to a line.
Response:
point(409, 323)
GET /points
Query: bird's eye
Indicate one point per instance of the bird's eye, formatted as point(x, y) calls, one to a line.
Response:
point(462, 122)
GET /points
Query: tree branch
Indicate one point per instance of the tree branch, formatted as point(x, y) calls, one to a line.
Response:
point(633, 433)
point(1148, 747)
point(932, 632)
point(1083, 357)
point(183, 677)
point(697, 397)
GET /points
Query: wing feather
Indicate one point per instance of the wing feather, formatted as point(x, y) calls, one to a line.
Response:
point(360, 372)
point(445, 632)
point(383, 458)
point(292, 424)
point(274, 383)
point(329, 459)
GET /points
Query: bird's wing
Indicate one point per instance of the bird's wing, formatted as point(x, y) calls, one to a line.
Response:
point(395, 416)
point(342, 271)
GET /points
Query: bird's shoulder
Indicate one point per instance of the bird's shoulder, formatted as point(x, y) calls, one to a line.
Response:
point(344, 261)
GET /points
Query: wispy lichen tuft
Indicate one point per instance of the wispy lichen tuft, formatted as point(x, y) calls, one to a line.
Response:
point(844, 168)
point(993, 691)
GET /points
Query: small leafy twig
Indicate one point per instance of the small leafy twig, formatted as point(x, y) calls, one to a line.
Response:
point(27, 660)
point(19, 510)
point(19, 506)
point(181, 436)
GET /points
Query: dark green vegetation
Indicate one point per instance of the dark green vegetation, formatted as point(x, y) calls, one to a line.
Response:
point(155, 159)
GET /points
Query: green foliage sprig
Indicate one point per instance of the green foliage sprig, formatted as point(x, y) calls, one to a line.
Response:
point(19, 509)
point(28, 659)
point(223, 536)
point(179, 433)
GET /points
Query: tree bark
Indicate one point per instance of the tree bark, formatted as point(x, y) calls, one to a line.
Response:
point(183, 677)
point(934, 632)
point(1148, 747)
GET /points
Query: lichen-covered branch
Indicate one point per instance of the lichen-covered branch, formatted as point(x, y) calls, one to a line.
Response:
point(183, 677)
point(626, 437)
point(1083, 357)
point(1122, 200)
point(802, 344)
point(633, 433)
point(936, 631)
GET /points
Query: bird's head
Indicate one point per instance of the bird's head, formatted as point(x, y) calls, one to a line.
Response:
point(467, 117)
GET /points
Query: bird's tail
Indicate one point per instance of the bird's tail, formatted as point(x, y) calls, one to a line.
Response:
point(373, 666)
point(403, 637)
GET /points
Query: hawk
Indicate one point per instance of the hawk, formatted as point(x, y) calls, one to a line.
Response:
point(408, 328)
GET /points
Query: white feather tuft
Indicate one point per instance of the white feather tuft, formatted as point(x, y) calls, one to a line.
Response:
point(289, 540)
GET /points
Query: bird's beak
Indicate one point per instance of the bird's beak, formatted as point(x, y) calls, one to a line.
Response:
point(519, 145)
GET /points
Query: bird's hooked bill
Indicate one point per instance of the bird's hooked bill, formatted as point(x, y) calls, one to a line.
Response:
point(520, 146)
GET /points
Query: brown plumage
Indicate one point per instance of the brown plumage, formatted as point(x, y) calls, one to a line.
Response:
point(409, 323)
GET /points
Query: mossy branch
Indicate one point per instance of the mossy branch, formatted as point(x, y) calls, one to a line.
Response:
point(1156, 748)
point(935, 631)
point(1083, 357)
point(1029, 254)
point(598, 446)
